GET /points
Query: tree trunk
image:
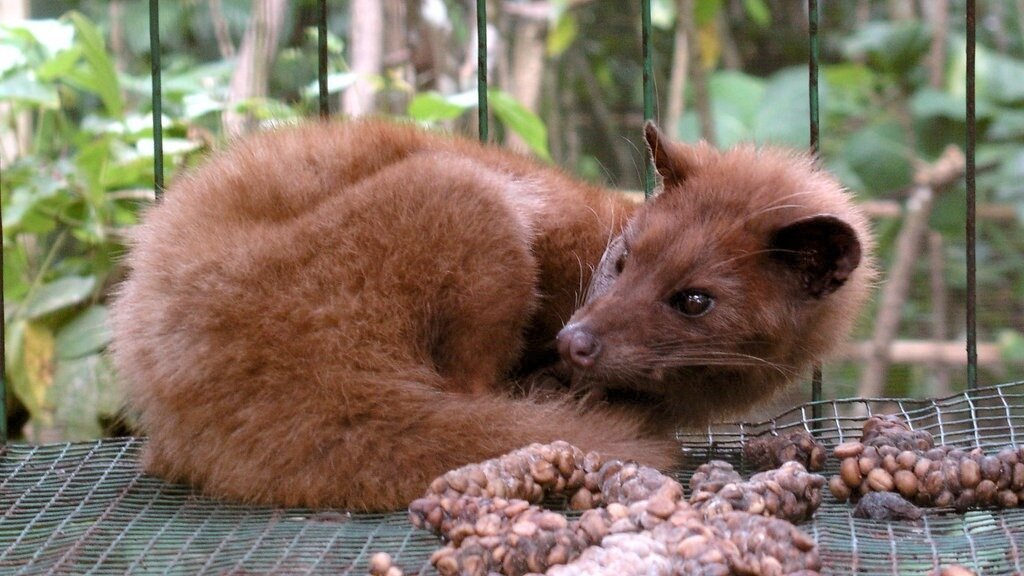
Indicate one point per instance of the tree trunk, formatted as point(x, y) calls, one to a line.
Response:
point(603, 115)
point(901, 9)
point(255, 57)
point(221, 30)
point(937, 14)
point(702, 100)
point(15, 138)
point(396, 58)
point(117, 46)
point(676, 104)
point(365, 42)
point(731, 59)
point(526, 69)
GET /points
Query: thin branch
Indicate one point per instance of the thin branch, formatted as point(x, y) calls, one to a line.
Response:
point(604, 117)
point(221, 30)
point(526, 67)
point(251, 76)
point(908, 244)
point(365, 34)
point(702, 101)
point(676, 105)
point(895, 292)
point(945, 353)
point(937, 14)
point(117, 44)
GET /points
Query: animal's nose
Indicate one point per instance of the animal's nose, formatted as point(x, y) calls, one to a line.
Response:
point(578, 346)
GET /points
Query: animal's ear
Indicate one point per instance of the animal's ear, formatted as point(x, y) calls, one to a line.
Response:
point(670, 158)
point(823, 251)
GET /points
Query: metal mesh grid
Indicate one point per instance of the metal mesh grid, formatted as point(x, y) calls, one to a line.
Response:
point(84, 508)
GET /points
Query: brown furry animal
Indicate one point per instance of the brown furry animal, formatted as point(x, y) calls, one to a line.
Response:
point(334, 314)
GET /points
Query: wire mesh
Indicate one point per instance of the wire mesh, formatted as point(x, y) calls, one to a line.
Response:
point(85, 508)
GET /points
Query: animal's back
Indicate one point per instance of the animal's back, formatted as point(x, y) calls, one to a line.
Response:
point(326, 306)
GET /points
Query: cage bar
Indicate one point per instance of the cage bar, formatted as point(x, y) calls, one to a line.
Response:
point(158, 129)
point(648, 80)
point(321, 52)
point(481, 67)
point(813, 121)
point(3, 353)
point(972, 293)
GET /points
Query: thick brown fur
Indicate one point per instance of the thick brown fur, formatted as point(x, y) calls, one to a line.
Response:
point(332, 314)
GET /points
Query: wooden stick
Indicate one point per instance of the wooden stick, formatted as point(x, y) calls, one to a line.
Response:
point(950, 353)
point(894, 294)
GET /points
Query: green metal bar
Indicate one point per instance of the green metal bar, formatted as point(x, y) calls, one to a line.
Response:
point(972, 294)
point(481, 66)
point(813, 64)
point(158, 129)
point(812, 74)
point(3, 348)
point(645, 40)
point(321, 45)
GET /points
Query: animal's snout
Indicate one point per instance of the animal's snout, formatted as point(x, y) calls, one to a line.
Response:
point(578, 346)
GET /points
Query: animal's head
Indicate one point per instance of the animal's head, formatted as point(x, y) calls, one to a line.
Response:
point(748, 266)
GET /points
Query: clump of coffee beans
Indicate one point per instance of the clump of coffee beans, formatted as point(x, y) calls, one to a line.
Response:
point(530, 474)
point(891, 430)
point(510, 537)
point(687, 543)
point(768, 452)
point(789, 492)
point(645, 522)
point(895, 459)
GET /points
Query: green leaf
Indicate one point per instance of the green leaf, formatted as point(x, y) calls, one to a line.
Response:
point(24, 87)
point(1000, 78)
point(60, 65)
point(336, 82)
point(729, 129)
point(758, 12)
point(1007, 124)
point(52, 35)
point(101, 77)
point(28, 206)
point(30, 367)
point(737, 94)
point(894, 47)
point(84, 389)
point(879, 157)
point(518, 119)
point(87, 333)
point(705, 11)
point(58, 295)
point(15, 272)
point(929, 103)
point(92, 163)
point(1011, 346)
point(562, 34)
point(663, 14)
point(433, 107)
point(785, 107)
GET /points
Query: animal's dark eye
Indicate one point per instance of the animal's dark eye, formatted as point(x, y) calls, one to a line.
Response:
point(692, 303)
point(620, 262)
